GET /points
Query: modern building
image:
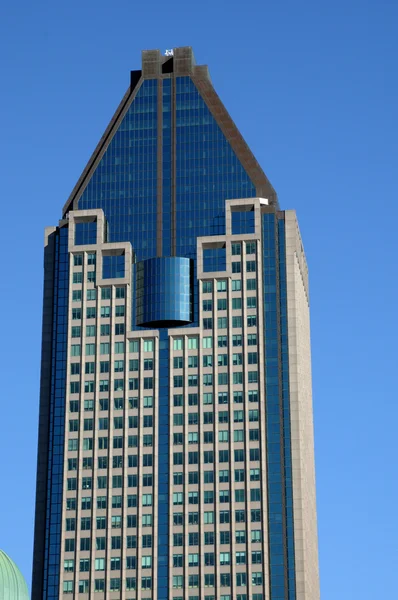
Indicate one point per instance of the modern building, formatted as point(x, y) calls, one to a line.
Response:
point(12, 583)
point(176, 454)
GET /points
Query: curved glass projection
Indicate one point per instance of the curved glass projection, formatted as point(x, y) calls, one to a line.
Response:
point(164, 292)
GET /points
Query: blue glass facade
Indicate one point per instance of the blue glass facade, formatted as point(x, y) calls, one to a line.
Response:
point(280, 501)
point(56, 418)
point(167, 135)
point(164, 292)
point(86, 233)
point(208, 171)
point(124, 183)
point(113, 266)
point(242, 222)
point(214, 259)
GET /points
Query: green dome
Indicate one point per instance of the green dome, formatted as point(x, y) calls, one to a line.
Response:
point(12, 584)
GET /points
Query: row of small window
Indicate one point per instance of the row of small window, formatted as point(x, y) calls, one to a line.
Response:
point(78, 259)
point(224, 517)
point(76, 330)
point(115, 585)
point(209, 497)
point(237, 266)
point(236, 303)
point(147, 420)
point(209, 559)
point(207, 342)
point(100, 563)
point(178, 479)
point(224, 597)
point(223, 417)
point(105, 312)
point(103, 404)
point(117, 482)
point(134, 345)
point(207, 398)
point(130, 541)
point(178, 560)
point(104, 348)
point(237, 322)
point(208, 456)
point(236, 285)
point(194, 518)
point(214, 259)
point(193, 343)
point(146, 584)
point(236, 248)
point(209, 378)
point(106, 294)
point(118, 366)
point(77, 277)
point(103, 423)
point(102, 504)
point(223, 436)
point(117, 463)
point(225, 580)
point(223, 476)
point(178, 460)
point(222, 359)
point(237, 340)
point(103, 442)
point(102, 522)
point(178, 381)
point(118, 385)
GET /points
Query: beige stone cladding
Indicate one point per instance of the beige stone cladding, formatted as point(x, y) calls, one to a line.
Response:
point(218, 510)
point(304, 501)
point(110, 510)
point(230, 354)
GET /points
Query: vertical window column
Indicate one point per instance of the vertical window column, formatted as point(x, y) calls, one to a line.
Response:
point(163, 467)
point(291, 571)
point(275, 464)
point(57, 419)
point(166, 167)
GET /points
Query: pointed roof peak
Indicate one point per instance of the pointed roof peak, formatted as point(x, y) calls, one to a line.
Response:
point(181, 59)
point(177, 62)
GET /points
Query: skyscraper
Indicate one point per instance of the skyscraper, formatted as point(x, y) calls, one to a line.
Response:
point(176, 457)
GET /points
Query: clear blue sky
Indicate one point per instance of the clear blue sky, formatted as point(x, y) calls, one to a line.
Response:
point(313, 88)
